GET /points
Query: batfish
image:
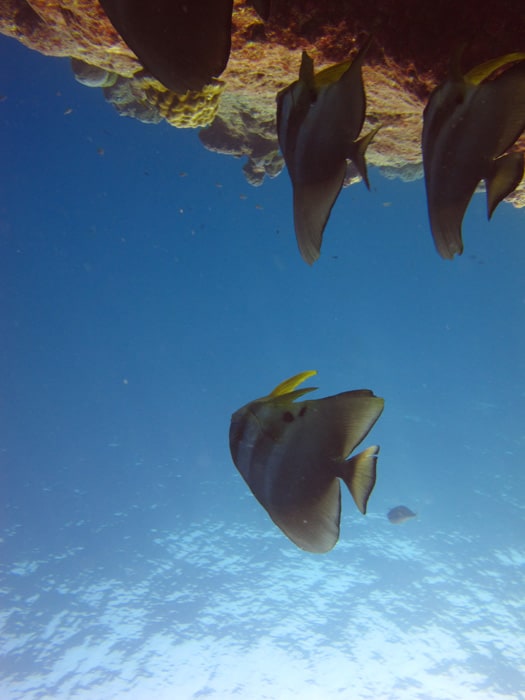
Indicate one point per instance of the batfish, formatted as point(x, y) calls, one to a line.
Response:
point(293, 453)
point(184, 44)
point(399, 514)
point(469, 124)
point(319, 119)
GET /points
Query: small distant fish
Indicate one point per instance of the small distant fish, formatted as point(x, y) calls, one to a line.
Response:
point(292, 455)
point(469, 124)
point(319, 119)
point(399, 514)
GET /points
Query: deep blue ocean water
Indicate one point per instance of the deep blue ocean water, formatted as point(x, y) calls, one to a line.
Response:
point(147, 292)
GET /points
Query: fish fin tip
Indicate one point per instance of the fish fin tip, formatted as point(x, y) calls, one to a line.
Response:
point(484, 70)
point(289, 385)
point(359, 475)
point(359, 151)
point(312, 208)
point(506, 174)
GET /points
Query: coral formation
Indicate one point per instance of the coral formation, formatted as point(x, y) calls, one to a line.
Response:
point(413, 42)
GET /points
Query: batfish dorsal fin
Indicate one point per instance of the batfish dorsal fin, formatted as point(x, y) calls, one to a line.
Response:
point(347, 419)
point(359, 474)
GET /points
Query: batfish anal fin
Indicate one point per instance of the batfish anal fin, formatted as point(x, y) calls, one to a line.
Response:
point(313, 203)
point(314, 526)
point(358, 153)
point(359, 474)
point(506, 175)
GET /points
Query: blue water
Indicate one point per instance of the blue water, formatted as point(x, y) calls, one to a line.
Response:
point(147, 292)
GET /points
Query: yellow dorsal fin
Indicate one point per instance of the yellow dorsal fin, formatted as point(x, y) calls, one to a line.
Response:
point(479, 73)
point(331, 75)
point(289, 385)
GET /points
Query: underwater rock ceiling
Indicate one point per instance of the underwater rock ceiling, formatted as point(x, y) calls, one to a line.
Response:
point(413, 44)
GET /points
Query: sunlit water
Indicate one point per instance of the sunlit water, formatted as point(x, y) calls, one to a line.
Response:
point(144, 300)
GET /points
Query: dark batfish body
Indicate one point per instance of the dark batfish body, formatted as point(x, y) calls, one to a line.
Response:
point(469, 124)
point(182, 44)
point(319, 119)
point(291, 453)
point(399, 514)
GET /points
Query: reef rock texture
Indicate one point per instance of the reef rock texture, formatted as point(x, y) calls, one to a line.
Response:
point(413, 44)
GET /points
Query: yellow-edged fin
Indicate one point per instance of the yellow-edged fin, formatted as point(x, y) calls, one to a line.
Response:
point(359, 474)
point(331, 75)
point(358, 155)
point(351, 415)
point(478, 74)
point(506, 175)
point(289, 385)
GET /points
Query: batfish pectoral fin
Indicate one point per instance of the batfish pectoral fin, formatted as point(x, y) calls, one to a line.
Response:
point(359, 474)
point(313, 203)
point(480, 73)
point(506, 175)
point(290, 384)
point(358, 154)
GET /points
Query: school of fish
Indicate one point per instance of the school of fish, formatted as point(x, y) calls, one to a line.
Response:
point(293, 454)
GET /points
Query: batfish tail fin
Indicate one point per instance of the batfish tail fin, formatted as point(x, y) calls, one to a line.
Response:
point(358, 154)
point(359, 474)
point(506, 175)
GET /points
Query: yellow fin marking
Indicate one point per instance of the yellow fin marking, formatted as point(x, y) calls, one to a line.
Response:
point(289, 384)
point(479, 73)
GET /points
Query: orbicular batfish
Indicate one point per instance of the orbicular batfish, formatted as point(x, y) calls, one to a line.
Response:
point(293, 453)
point(319, 119)
point(399, 514)
point(469, 124)
point(183, 43)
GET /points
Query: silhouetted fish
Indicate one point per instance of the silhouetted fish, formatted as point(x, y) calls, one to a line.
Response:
point(399, 514)
point(319, 118)
point(184, 44)
point(262, 7)
point(469, 123)
point(291, 454)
